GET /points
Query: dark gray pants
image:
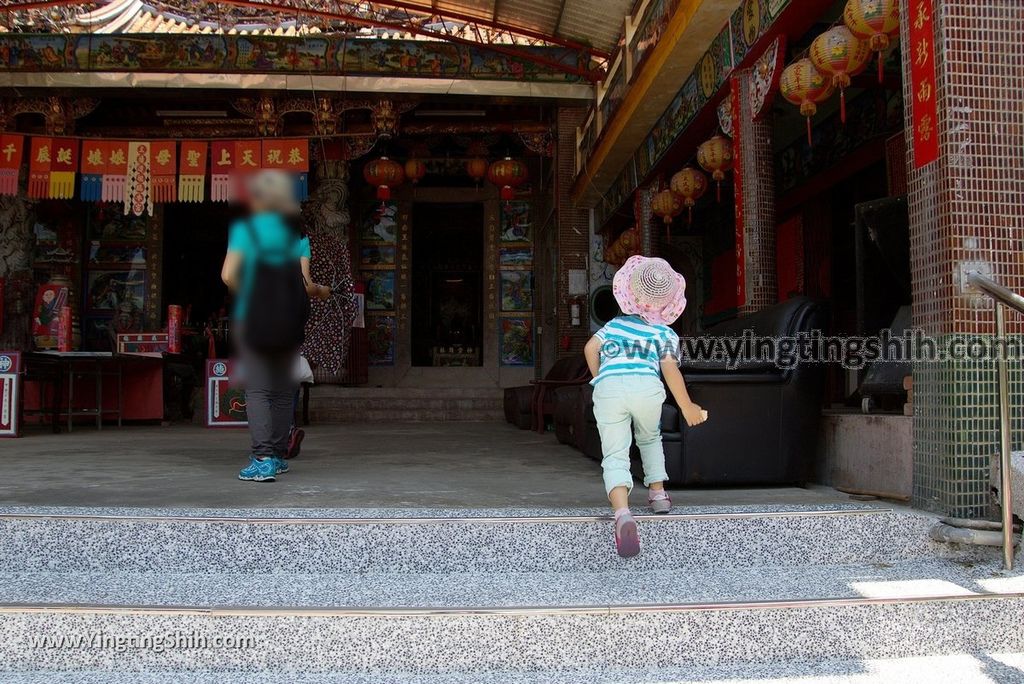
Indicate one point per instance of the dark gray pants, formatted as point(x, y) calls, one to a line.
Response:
point(269, 401)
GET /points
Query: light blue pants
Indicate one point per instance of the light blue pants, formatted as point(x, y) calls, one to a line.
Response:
point(624, 406)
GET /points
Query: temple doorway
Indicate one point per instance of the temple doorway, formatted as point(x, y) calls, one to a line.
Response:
point(447, 284)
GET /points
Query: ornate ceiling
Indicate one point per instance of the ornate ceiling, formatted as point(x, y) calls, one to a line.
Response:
point(591, 26)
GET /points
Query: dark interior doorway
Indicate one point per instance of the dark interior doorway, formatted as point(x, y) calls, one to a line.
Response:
point(195, 240)
point(447, 284)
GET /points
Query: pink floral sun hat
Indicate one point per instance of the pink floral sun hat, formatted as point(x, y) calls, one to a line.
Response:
point(649, 288)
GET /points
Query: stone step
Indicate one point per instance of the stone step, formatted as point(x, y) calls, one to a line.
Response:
point(387, 403)
point(333, 404)
point(447, 596)
point(475, 643)
point(963, 668)
point(339, 392)
point(354, 541)
point(330, 416)
point(510, 589)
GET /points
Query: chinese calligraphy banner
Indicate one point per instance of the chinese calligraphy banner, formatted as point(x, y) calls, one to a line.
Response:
point(923, 82)
point(192, 171)
point(63, 168)
point(39, 167)
point(139, 174)
point(12, 148)
point(94, 165)
point(116, 173)
point(164, 163)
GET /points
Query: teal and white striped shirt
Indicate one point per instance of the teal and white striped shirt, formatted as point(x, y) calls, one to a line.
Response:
point(632, 346)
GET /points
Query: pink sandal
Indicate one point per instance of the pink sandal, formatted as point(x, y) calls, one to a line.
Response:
point(627, 539)
point(659, 501)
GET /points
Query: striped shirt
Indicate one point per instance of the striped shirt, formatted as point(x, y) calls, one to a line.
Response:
point(632, 346)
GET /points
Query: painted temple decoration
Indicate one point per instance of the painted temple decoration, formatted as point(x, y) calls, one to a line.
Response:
point(327, 221)
point(516, 332)
point(267, 54)
point(765, 82)
point(751, 21)
point(17, 245)
point(378, 263)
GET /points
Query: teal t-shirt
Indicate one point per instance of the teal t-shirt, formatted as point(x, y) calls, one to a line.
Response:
point(274, 237)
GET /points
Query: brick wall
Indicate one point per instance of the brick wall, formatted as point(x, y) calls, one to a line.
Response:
point(965, 208)
point(573, 232)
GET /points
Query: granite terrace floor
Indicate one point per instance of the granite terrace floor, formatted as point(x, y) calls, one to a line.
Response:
point(412, 465)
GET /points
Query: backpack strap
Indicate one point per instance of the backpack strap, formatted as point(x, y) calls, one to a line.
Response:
point(285, 252)
point(254, 237)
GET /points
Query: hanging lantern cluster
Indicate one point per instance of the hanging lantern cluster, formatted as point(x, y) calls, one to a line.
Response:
point(877, 22)
point(715, 156)
point(839, 54)
point(508, 174)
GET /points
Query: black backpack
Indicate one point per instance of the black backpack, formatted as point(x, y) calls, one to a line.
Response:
point(278, 304)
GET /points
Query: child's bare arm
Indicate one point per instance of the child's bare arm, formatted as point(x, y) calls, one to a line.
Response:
point(592, 352)
point(692, 413)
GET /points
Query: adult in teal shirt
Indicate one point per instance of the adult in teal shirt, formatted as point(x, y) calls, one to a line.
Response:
point(277, 239)
point(268, 234)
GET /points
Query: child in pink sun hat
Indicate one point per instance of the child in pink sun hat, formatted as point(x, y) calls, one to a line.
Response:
point(628, 358)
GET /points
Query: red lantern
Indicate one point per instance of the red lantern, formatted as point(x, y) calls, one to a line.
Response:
point(876, 21)
point(384, 174)
point(476, 168)
point(508, 174)
point(803, 85)
point(415, 170)
point(840, 54)
point(715, 157)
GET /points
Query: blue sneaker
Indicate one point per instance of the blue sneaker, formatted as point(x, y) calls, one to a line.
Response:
point(259, 470)
point(282, 465)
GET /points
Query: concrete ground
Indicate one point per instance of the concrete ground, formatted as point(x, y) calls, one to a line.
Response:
point(412, 465)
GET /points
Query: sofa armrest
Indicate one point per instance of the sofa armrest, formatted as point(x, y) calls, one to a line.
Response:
point(737, 378)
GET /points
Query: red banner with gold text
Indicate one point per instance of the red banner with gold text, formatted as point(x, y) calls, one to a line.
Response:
point(923, 82)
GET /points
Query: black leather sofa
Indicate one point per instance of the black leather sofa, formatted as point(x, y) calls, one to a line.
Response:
point(763, 420)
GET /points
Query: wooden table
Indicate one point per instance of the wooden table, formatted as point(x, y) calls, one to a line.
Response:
point(64, 372)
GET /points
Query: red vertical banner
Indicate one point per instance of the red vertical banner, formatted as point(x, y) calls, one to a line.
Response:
point(174, 319)
point(222, 165)
point(192, 171)
point(735, 86)
point(64, 167)
point(94, 165)
point(296, 155)
point(164, 164)
point(248, 156)
point(12, 149)
point(64, 324)
point(39, 164)
point(923, 82)
point(275, 152)
point(296, 160)
point(116, 174)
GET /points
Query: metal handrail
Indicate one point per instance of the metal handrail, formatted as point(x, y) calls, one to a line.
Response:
point(1002, 297)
